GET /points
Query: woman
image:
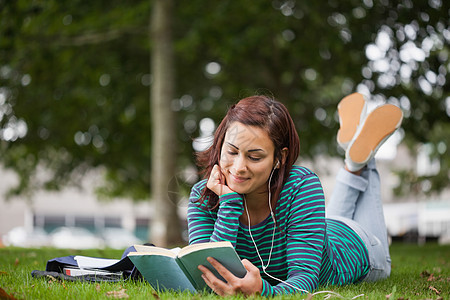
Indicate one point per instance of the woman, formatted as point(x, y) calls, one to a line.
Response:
point(273, 212)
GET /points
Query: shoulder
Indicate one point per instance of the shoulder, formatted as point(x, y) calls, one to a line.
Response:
point(302, 199)
point(302, 180)
point(299, 174)
point(301, 171)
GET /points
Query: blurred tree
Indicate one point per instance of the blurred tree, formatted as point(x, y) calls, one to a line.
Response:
point(74, 79)
point(165, 227)
point(70, 99)
point(310, 55)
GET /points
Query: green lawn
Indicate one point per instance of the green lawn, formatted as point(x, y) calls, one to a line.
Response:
point(418, 272)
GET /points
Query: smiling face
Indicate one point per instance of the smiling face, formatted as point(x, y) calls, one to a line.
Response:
point(247, 158)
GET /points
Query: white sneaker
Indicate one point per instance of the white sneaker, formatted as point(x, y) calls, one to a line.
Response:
point(351, 111)
point(377, 127)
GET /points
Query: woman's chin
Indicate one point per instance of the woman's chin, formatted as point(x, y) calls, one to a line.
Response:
point(239, 188)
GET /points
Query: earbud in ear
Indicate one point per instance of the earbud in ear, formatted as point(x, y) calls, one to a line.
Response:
point(277, 165)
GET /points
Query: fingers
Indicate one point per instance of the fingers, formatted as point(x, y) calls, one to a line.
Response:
point(249, 285)
point(253, 282)
point(227, 275)
point(230, 287)
point(216, 169)
point(217, 175)
point(216, 182)
point(217, 285)
point(249, 266)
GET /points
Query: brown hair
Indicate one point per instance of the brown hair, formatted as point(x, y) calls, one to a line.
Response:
point(263, 112)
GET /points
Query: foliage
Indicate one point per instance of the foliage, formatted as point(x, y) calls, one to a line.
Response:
point(422, 273)
point(85, 104)
point(74, 79)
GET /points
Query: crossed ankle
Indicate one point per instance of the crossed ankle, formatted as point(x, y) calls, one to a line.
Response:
point(357, 172)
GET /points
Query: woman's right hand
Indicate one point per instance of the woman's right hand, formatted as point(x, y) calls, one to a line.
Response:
point(217, 183)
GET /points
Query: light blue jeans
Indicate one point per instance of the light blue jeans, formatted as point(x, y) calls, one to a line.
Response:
point(356, 201)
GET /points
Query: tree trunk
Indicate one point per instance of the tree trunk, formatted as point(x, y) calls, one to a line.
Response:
point(165, 226)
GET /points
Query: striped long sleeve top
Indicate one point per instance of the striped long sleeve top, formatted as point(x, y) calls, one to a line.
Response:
point(308, 249)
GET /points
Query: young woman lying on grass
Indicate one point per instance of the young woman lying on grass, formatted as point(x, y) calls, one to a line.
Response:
point(273, 211)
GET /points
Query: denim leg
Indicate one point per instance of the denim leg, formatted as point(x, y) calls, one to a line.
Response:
point(356, 200)
point(369, 209)
point(345, 195)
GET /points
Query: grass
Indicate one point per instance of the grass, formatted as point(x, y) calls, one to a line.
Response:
point(418, 272)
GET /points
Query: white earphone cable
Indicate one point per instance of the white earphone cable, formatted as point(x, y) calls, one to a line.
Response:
point(264, 267)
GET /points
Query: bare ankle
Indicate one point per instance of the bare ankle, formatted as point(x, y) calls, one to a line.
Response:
point(358, 172)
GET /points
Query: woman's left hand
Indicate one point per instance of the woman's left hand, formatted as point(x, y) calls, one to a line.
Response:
point(249, 285)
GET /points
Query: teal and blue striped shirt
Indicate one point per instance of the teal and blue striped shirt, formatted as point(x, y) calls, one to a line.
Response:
point(308, 251)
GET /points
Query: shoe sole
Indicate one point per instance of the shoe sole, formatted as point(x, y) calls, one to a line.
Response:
point(349, 110)
point(378, 126)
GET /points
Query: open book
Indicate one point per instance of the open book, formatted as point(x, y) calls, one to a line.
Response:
point(166, 270)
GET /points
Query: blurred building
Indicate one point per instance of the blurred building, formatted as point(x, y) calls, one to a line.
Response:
point(71, 207)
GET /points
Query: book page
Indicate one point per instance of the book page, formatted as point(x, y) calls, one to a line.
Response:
point(199, 246)
point(154, 251)
point(81, 272)
point(144, 248)
point(86, 262)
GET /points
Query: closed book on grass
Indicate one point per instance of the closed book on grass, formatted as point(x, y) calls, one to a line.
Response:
point(178, 270)
point(81, 272)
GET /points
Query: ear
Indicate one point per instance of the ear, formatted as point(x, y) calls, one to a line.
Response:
point(277, 165)
point(284, 153)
